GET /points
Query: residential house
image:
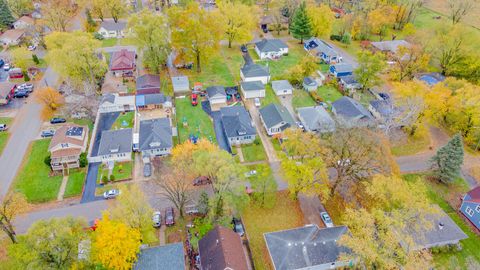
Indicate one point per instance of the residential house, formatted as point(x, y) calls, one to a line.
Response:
point(237, 125)
point(115, 145)
point(307, 247)
point(322, 50)
point(7, 90)
point(12, 37)
point(351, 113)
point(216, 95)
point(155, 137)
point(431, 78)
point(253, 89)
point(471, 206)
point(349, 84)
point(148, 84)
point(66, 146)
point(282, 87)
point(381, 109)
point(180, 84)
point(339, 70)
point(309, 84)
point(111, 29)
point(24, 22)
point(116, 103)
point(255, 72)
point(170, 256)
point(276, 118)
point(389, 47)
point(316, 119)
point(152, 101)
point(122, 63)
point(222, 248)
point(267, 20)
point(271, 48)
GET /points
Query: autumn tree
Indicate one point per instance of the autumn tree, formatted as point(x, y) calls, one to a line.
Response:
point(99, 9)
point(460, 8)
point(264, 187)
point(409, 61)
point(405, 12)
point(56, 14)
point(21, 57)
point(380, 20)
point(321, 19)
point(176, 187)
point(196, 32)
point(115, 244)
point(20, 7)
point(12, 205)
point(51, 101)
point(301, 26)
point(116, 9)
point(447, 162)
point(307, 65)
point(239, 24)
point(370, 67)
point(6, 18)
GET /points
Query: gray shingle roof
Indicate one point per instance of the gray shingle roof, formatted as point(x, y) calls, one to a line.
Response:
point(170, 257)
point(274, 114)
point(320, 47)
point(148, 81)
point(270, 45)
point(180, 83)
point(115, 141)
point(309, 81)
point(111, 25)
point(252, 86)
point(305, 247)
point(155, 133)
point(254, 70)
point(390, 45)
point(213, 91)
point(350, 108)
point(340, 68)
point(383, 107)
point(316, 119)
point(281, 85)
point(108, 98)
point(236, 121)
point(349, 79)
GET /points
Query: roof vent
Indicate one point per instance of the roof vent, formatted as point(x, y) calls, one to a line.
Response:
point(441, 225)
point(218, 241)
point(324, 242)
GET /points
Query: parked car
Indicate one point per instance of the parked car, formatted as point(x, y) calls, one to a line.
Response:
point(2, 62)
point(238, 226)
point(3, 127)
point(194, 100)
point(201, 180)
point(26, 86)
point(251, 173)
point(47, 133)
point(147, 170)
point(243, 48)
point(300, 126)
point(326, 219)
point(20, 94)
point(169, 216)
point(157, 219)
point(257, 102)
point(32, 47)
point(110, 194)
point(6, 67)
point(57, 120)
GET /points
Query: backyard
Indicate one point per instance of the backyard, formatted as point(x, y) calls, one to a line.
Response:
point(254, 152)
point(4, 135)
point(329, 93)
point(192, 120)
point(302, 98)
point(125, 120)
point(76, 178)
point(270, 96)
point(109, 42)
point(279, 68)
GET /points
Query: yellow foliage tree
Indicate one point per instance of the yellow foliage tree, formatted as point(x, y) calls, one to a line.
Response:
point(21, 57)
point(321, 19)
point(51, 100)
point(240, 24)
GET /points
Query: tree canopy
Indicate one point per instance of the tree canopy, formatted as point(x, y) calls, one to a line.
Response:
point(301, 26)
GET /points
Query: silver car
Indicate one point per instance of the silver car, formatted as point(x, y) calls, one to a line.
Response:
point(326, 219)
point(110, 194)
point(157, 219)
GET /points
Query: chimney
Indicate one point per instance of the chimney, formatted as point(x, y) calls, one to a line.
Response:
point(441, 225)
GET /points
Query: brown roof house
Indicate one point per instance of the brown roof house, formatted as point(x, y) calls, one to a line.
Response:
point(148, 84)
point(66, 146)
point(12, 37)
point(122, 63)
point(24, 22)
point(222, 249)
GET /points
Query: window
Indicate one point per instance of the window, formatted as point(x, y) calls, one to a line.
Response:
point(477, 208)
point(469, 211)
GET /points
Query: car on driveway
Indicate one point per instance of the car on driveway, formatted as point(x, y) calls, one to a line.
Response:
point(20, 94)
point(110, 194)
point(243, 48)
point(57, 120)
point(6, 67)
point(3, 127)
point(169, 216)
point(201, 180)
point(47, 133)
point(257, 102)
point(326, 219)
point(157, 219)
point(147, 170)
point(238, 226)
point(2, 62)
point(26, 86)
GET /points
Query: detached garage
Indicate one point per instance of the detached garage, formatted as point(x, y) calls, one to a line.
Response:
point(282, 87)
point(254, 89)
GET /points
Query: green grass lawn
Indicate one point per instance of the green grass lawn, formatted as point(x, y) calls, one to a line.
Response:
point(329, 93)
point(214, 72)
point(109, 42)
point(234, 60)
point(128, 117)
point(75, 183)
point(279, 68)
point(302, 99)
point(198, 122)
point(4, 135)
point(254, 152)
point(270, 96)
point(121, 171)
point(286, 214)
point(33, 179)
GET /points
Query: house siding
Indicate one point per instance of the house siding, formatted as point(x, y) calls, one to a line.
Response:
point(217, 100)
point(475, 218)
point(118, 157)
point(281, 92)
point(263, 79)
point(265, 55)
point(247, 139)
point(157, 152)
point(254, 94)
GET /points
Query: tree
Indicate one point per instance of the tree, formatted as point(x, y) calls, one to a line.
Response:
point(203, 203)
point(308, 64)
point(6, 18)
point(20, 7)
point(12, 205)
point(447, 162)
point(460, 8)
point(21, 57)
point(99, 9)
point(151, 33)
point(301, 27)
point(240, 24)
point(321, 19)
point(90, 24)
point(405, 12)
point(369, 69)
point(380, 20)
point(264, 187)
point(408, 62)
point(49, 244)
point(51, 100)
point(116, 9)
point(115, 244)
point(176, 188)
point(196, 32)
point(56, 14)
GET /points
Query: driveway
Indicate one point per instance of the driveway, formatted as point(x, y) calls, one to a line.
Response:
point(88, 194)
point(105, 122)
point(347, 58)
point(286, 101)
point(247, 58)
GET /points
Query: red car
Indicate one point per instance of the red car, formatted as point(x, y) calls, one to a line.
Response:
point(169, 216)
point(194, 100)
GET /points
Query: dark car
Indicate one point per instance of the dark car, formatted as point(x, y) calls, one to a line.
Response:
point(243, 48)
point(147, 170)
point(201, 180)
point(1, 62)
point(238, 226)
point(47, 133)
point(169, 217)
point(57, 120)
point(20, 94)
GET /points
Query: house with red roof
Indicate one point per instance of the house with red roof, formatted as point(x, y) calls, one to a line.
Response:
point(122, 63)
point(471, 206)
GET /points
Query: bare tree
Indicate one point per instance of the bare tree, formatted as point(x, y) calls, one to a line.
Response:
point(12, 205)
point(403, 115)
point(460, 8)
point(176, 188)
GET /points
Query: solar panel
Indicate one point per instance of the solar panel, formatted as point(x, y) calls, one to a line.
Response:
point(75, 131)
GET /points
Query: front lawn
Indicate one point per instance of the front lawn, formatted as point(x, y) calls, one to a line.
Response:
point(302, 98)
point(254, 152)
point(109, 42)
point(286, 214)
point(125, 120)
point(270, 96)
point(4, 135)
point(76, 178)
point(197, 121)
point(329, 93)
point(33, 179)
point(121, 171)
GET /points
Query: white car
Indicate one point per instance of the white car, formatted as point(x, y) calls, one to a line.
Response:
point(6, 67)
point(110, 194)
point(157, 219)
point(32, 47)
point(251, 173)
point(326, 219)
point(257, 102)
point(3, 127)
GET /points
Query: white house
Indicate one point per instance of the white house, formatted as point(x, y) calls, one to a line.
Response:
point(216, 95)
point(254, 89)
point(111, 29)
point(12, 37)
point(115, 146)
point(23, 22)
point(255, 72)
point(271, 48)
point(116, 103)
point(276, 118)
point(282, 87)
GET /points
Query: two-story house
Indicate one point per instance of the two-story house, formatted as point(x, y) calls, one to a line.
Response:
point(66, 146)
point(471, 206)
point(155, 138)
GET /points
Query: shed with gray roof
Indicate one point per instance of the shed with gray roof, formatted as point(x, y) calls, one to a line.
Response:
point(237, 125)
point(155, 137)
point(116, 145)
point(271, 48)
point(282, 87)
point(253, 89)
point(180, 84)
point(351, 112)
point(216, 94)
point(255, 72)
point(316, 119)
point(276, 118)
point(171, 257)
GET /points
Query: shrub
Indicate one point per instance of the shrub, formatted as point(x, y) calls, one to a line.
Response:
point(336, 37)
point(105, 179)
point(25, 76)
point(257, 141)
point(47, 160)
point(112, 177)
point(98, 36)
point(346, 39)
point(83, 160)
point(35, 59)
point(316, 96)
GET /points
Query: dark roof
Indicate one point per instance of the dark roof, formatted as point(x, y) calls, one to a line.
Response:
point(151, 99)
point(305, 247)
point(349, 79)
point(213, 91)
point(474, 195)
point(236, 121)
point(350, 108)
point(320, 46)
point(111, 25)
point(148, 81)
point(221, 248)
point(122, 59)
point(155, 133)
point(390, 45)
point(316, 118)
point(342, 68)
point(274, 114)
point(171, 257)
point(252, 86)
point(309, 81)
point(270, 45)
point(108, 98)
point(254, 70)
point(383, 107)
point(115, 141)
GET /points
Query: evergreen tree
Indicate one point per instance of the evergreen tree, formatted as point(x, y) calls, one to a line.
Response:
point(448, 160)
point(301, 27)
point(6, 18)
point(202, 204)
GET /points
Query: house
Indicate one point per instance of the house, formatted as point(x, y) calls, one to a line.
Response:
point(351, 112)
point(237, 125)
point(111, 29)
point(66, 146)
point(255, 72)
point(115, 145)
point(381, 109)
point(180, 84)
point(171, 257)
point(12, 37)
point(7, 90)
point(253, 89)
point(155, 137)
point(15, 73)
point(116, 103)
point(271, 48)
point(307, 247)
point(471, 206)
point(276, 118)
point(222, 248)
point(349, 83)
point(431, 78)
point(322, 50)
point(267, 20)
point(309, 84)
point(23, 22)
point(282, 87)
point(152, 101)
point(216, 95)
point(339, 70)
point(389, 46)
point(316, 119)
point(148, 84)
point(122, 63)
